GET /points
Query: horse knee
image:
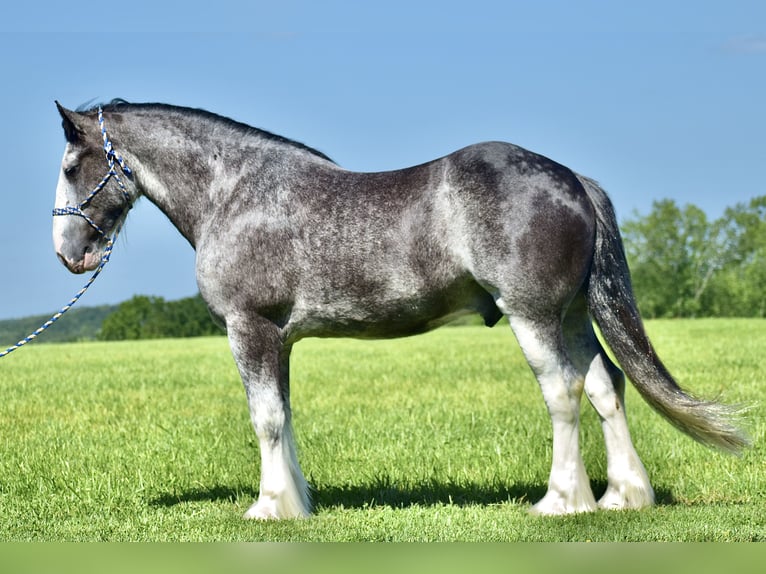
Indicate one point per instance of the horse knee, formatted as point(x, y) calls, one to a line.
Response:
point(604, 386)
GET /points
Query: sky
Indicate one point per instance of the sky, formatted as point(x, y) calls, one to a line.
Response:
point(654, 99)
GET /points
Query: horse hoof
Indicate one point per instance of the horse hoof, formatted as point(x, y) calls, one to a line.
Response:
point(260, 511)
point(553, 504)
point(629, 497)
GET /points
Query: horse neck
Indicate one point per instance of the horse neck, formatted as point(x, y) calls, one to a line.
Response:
point(187, 163)
point(171, 165)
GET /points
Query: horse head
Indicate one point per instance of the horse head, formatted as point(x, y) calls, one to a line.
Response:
point(96, 204)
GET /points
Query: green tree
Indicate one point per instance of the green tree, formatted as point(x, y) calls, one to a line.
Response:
point(684, 265)
point(190, 317)
point(740, 289)
point(133, 319)
point(144, 317)
point(673, 253)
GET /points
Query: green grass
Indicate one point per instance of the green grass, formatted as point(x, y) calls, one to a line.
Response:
point(437, 437)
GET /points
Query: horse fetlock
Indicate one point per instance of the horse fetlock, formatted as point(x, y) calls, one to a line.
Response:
point(628, 484)
point(630, 495)
point(568, 492)
point(263, 509)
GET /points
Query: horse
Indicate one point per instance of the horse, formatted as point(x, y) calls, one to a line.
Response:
point(291, 245)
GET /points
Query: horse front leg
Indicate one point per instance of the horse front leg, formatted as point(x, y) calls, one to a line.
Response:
point(264, 364)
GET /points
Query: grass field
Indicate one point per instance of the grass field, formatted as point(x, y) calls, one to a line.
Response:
point(439, 437)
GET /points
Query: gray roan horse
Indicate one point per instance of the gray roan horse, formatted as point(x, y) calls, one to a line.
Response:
point(290, 245)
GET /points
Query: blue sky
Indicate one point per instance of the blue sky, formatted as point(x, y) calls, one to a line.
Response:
point(655, 99)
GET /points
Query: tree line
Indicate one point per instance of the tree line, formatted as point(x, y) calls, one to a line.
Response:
point(79, 324)
point(685, 265)
point(141, 317)
point(146, 317)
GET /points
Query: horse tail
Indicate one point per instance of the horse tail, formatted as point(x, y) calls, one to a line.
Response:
point(613, 306)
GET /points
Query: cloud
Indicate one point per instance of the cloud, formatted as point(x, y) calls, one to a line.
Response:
point(746, 45)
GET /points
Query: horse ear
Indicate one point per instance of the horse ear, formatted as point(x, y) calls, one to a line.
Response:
point(72, 131)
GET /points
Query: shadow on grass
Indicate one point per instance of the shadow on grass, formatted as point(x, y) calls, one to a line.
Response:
point(383, 492)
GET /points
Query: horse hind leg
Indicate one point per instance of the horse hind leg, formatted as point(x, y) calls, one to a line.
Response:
point(568, 486)
point(627, 481)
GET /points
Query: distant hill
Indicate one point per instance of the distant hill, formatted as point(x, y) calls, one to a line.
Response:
point(81, 324)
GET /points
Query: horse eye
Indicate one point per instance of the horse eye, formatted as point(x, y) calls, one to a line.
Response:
point(70, 171)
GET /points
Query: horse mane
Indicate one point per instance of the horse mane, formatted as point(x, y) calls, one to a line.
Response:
point(117, 103)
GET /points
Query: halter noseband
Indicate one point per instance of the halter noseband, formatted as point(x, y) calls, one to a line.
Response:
point(112, 158)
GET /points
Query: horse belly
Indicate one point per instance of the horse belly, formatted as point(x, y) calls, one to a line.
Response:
point(384, 309)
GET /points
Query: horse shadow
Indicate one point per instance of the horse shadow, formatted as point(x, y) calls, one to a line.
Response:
point(384, 492)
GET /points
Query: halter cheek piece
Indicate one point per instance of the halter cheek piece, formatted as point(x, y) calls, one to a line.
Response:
point(112, 158)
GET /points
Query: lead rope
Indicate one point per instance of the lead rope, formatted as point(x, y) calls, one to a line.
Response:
point(65, 308)
point(111, 158)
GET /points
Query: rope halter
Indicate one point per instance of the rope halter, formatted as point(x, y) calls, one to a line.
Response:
point(112, 158)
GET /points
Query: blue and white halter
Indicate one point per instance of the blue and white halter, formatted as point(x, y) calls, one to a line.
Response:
point(112, 159)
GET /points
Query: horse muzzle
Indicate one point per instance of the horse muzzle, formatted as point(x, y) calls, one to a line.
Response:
point(87, 261)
